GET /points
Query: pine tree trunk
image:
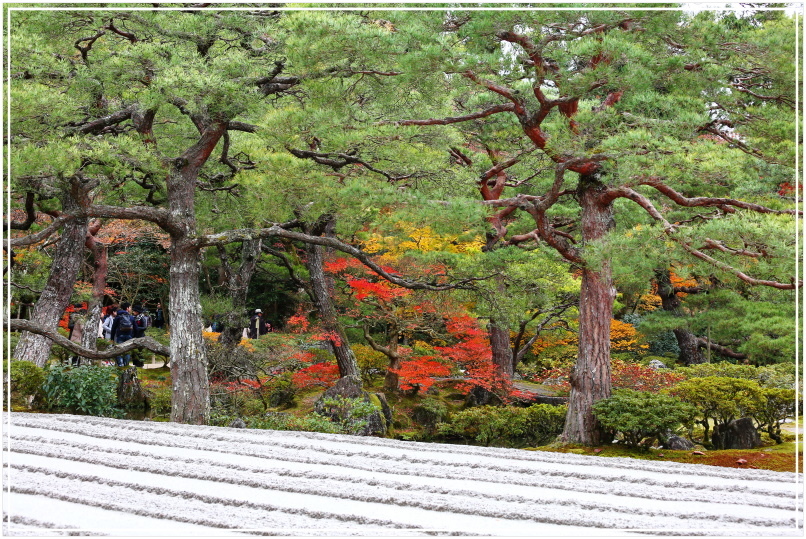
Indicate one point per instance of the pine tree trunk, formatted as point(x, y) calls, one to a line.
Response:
point(190, 401)
point(502, 350)
point(100, 270)
point(348, 365)
point(590, 378)
point(190, 398)
point(55, 297)
point(237, 283)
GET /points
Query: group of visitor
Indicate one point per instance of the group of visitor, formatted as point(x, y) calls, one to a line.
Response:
point(117, 324)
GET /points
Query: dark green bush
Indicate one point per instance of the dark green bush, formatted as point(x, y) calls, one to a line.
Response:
point(543, 423)
point(430, 412)
point(778, 405)
point(25, 381)
point(639, 415)
point(281, 421)
point(88, 389)
point(281, 391)
point(505, 426)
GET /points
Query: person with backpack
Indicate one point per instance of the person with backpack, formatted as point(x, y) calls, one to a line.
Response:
point(122, 331)
point(141, 321)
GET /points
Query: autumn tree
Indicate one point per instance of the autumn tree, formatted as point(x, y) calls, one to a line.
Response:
point(618, 101)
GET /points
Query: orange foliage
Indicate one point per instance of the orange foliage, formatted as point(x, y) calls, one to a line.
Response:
point(623, 338)
point(679, 281)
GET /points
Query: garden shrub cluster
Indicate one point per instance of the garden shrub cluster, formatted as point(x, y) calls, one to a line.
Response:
point(505, 426)
point(710, 394)
point(642, 417)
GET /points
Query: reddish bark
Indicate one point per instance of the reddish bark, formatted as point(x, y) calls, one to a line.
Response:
point(590, 378)
point(501, 350)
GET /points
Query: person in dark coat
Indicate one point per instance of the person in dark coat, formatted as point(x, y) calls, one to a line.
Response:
point(159, 317)
point(122, 331)
point(257, 326)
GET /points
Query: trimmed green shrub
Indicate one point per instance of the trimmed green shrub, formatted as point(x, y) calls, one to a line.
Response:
point(723, 368)
point(721, 399)
point(642, 415)
point(543, 423)
point(779, 375)
point(281, 391)
point(506, 426)
point(350, 415)
point(280, 421)
point(779, 405)
point(159, 400)
point(88, 389)
point(25, 381)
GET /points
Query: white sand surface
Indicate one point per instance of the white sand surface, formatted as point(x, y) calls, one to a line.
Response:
point(78, 475)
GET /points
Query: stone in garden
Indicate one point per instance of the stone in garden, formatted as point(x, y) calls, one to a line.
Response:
point(350, 388)
point(657, 364)
point(678, 443)
point(237, 423)
point(738, 434)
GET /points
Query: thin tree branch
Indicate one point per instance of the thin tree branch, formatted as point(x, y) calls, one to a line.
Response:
point(506, 107)
point(277, 230)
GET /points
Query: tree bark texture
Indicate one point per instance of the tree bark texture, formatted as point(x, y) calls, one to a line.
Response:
point(190, 398)
point(348, 365)
point(55, 296)
point(501, 350)
point(237, 284)
point(686, 340)
point(590, 378)
point(100, 270)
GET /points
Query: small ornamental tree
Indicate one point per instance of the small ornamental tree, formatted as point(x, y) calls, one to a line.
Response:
point(387, 314)
point(720, 399)
point(778, 405)
point(420, 373)
point(642, 415)
point(323, 374)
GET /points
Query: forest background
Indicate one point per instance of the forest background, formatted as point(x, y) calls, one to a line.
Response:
point(445, 197)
